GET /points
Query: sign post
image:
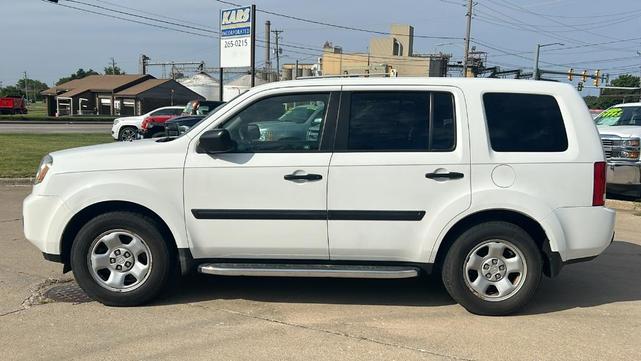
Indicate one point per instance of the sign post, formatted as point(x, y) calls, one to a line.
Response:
point(238, 38)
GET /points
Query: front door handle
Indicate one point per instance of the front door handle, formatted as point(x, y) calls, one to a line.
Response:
point(448, 175)
point(307, 177)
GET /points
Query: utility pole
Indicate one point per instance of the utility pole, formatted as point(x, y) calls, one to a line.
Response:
point(536, 73)
point(253, 45)
point(639, 53)
point(468, 32)
point(277, 33)
point(268, 49)
point(26, 89)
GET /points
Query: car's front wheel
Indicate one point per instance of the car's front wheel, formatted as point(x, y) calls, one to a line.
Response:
point(493, 268)
point(121, 259)
point(127, 134)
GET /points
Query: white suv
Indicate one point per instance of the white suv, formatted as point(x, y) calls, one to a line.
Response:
point(490, 183)
point(126, 128)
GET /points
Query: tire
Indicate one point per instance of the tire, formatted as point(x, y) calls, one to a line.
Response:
point(493, 269)
point(122, 259)
point(127, 134)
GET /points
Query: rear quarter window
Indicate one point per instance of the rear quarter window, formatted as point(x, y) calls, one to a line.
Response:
point(524, 123)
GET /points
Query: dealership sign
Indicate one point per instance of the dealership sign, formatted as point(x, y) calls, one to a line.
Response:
point(235, 37)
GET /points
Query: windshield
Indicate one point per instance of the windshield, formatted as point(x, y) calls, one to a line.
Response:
point(619, 116)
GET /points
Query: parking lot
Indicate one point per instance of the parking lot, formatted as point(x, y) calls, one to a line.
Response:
point(591, 311)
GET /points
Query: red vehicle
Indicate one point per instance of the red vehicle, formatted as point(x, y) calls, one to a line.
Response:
point(13, 105)
point(155, 119)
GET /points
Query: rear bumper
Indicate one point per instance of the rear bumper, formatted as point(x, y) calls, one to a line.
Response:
point(588, 231)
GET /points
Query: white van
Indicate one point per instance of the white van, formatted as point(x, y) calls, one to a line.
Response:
point(490, 183)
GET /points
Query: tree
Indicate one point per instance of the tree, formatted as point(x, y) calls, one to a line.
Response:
point(34, 87)
point(610, 97)
point(11, 90)
point(115, 70)
point(79, 74)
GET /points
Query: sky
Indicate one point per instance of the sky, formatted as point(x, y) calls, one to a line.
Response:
point(57, 40)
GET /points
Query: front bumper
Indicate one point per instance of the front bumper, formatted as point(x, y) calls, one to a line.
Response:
point(43, 222)
point(624, 178)
point(624, 173)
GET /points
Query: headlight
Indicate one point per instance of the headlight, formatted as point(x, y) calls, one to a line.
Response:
point(116, 121)
point(631, 143)
point(43, 168)
point(626, 154)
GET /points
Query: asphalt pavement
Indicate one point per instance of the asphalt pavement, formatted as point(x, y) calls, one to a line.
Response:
point(591, 311)
point(50, 127)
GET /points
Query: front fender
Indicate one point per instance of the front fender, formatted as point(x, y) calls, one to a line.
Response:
point(161, 193)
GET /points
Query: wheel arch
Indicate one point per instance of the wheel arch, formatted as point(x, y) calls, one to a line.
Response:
point(89, 212)
point(543, 235)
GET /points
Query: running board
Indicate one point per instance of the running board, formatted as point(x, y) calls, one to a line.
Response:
point(308, 270)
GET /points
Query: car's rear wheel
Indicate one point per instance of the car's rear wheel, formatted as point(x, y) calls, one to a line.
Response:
point(493, 268)
point(121, 259)
point(127, 134)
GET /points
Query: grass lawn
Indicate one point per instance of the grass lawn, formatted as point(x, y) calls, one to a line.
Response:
point(20, 154)
point(37, 109)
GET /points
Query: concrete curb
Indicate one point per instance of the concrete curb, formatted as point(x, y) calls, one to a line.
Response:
point(16, 181)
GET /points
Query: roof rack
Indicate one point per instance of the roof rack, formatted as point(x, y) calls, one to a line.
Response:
point(363, 75)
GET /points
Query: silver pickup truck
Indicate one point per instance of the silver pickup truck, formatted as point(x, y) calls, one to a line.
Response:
point(620, 129)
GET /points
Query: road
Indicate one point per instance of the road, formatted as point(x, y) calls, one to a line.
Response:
point(591, 311)
point(63, 127)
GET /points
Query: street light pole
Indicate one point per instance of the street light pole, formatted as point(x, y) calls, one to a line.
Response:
point(536, 73)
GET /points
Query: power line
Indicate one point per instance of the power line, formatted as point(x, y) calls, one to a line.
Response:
point(151, 13)
point(128, 19)
point(145, 17)
point(344, 27)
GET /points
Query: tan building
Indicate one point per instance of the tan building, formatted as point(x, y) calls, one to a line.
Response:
point(388, 54)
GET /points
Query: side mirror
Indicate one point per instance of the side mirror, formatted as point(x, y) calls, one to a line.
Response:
point(215, 141)
point(252, 132)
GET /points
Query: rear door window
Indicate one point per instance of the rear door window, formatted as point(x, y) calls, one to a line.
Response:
point(401, 121)
point(524, 123)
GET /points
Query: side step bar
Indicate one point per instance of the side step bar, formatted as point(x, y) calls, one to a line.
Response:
point(307, 270)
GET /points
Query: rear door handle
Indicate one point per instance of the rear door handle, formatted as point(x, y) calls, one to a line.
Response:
point(307, 177)
point(448, 175)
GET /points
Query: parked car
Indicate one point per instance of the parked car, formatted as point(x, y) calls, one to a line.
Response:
point(295, 123)
point(172, 127)
point(156, 120)
point(13, 105)
point(127, 128)
point(201, 107)
point(620, 129)
point(490, 183)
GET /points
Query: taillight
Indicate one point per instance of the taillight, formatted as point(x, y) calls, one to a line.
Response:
point(598, 192)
